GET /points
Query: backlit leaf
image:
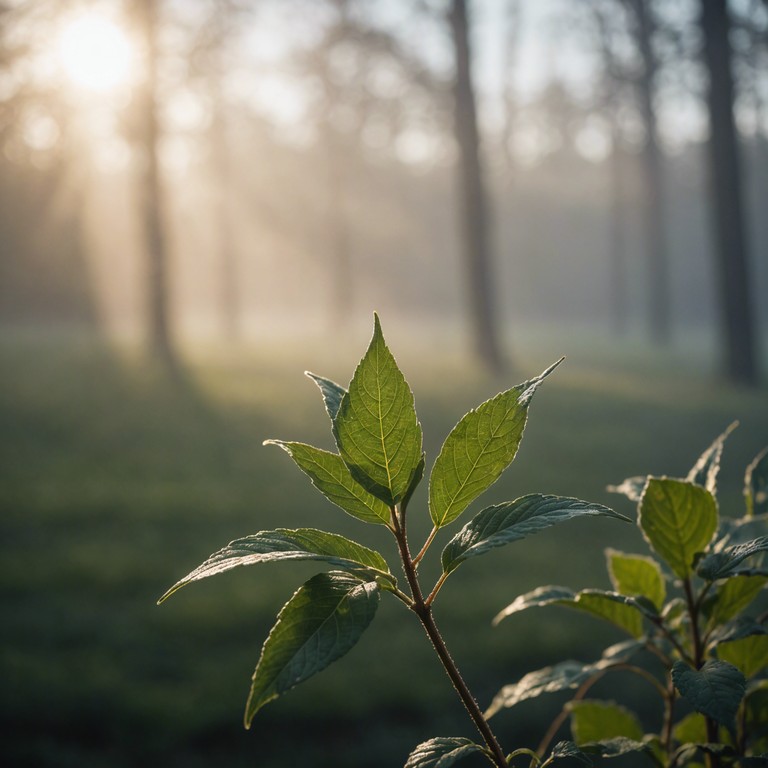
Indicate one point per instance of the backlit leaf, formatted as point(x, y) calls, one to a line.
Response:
point(287, 544)
point(704, 472)
point(632, 487)
point(634, 575)
point(331, 476)
point(749, 654)
point(376, 429)
point(715, 690)
point(720, 565)
point(504, 523)
point(321, 622)
point(733, 596)
point(692, 728)
point(593, 720)
point(442, 752)
point(478, 449)
point(756, 485)
point(568, 750)
point(331, 391)
point(678, 519)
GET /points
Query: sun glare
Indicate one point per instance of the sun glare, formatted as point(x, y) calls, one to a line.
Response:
point(94, 53)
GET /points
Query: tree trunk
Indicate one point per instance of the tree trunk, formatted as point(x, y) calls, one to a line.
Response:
point(737, 317)
point(477, 251)
point(653, 181)
point(157, 321)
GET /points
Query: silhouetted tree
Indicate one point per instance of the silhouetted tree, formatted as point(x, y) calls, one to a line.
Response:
point(737, 315)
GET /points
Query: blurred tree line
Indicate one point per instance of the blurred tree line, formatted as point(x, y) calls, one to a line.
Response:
point(270, 160)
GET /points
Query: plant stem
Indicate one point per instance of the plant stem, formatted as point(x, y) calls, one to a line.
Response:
point(427, 543)
point(424, 612)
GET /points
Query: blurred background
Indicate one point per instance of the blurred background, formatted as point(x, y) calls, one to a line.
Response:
point(200, 199)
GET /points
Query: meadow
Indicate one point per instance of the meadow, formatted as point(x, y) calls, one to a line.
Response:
point(116, 480)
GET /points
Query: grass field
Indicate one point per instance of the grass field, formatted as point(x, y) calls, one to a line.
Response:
point(114, 482)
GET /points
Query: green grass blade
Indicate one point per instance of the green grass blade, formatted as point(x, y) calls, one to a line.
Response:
point(321, 622)
point(478, 449)
point(331, 476)
point(286, 544)
point(376, 429)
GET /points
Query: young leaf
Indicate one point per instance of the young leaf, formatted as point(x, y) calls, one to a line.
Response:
point(749, 654)
point(478, 449)
point(331, 476)
point(692, 729)
point(678, 519)
point(632, 487)
point(321, 622)
point(376, 428)
point(733, 596)
point(514, 520)
point(635, 575)
point(593, 720)
point(756, 485)
point(715, 690)
point(720, 565)
point(625, 612)
point(704, 472)
point(565, 675)
point(442, 752)
point(568, 750)
point(286, 544)
point(331, 391)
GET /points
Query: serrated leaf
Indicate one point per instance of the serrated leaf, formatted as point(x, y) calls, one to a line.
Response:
point(634, 575)
point(742, 626)
point(376, 429)
point(331, 476)
point(596, 721)
point(678, 519)
point(478, 449)
point(748, 654)
point(632, 487)
point(442, 752)
point(331, 391)
point(705, 471)
point(567, 749)
point(616, 747)
point(514, 520)
point(715, 690)
point(756, 485)
point(720, 565)
point(733, 596)
point(321, 622)
point(559, 677)
point(625, 612)
point(288, 544)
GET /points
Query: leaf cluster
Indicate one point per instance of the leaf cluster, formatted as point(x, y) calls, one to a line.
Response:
point(690, 607)
point(378, 464)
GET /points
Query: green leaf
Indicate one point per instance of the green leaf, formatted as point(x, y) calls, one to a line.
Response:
point(567, 749)
point(715, 690)
point(331, 476)
point(720, 565)
point(756, 485)
point(678, 519)
point(634, 575)
point(287, 544)
point(748, 654)
point(593, 720)
point(321, 622)
point(331, 391)
point(514, 520)
point(691, 729)
point(376, 428)
point(733, 596)
point(617, 746)
point(565, 675)
point(625, 612)
point(442, 752)
point(478, 449)
point(704, 472)
point(632, 487)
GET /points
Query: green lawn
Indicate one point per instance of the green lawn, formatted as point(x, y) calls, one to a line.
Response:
point(114, 482)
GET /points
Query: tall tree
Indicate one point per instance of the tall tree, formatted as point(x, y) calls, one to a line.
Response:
point(150, 190)
point(643, 29)
point(737, 316)
point(475, 214)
